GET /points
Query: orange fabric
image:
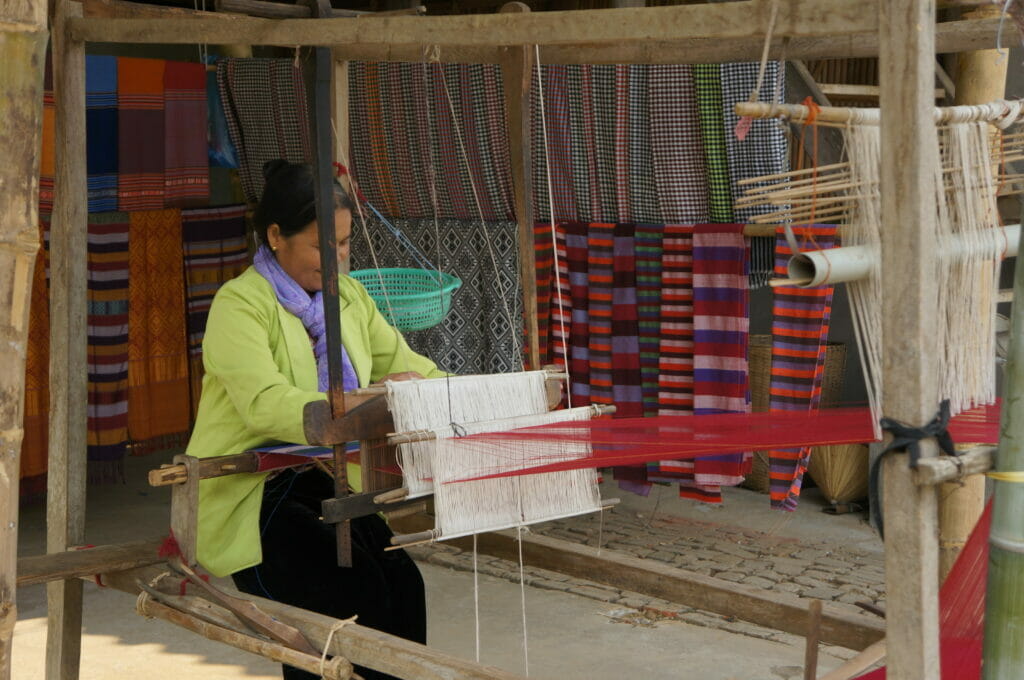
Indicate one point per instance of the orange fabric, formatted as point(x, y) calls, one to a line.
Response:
point(158, 382)
point(37, 372)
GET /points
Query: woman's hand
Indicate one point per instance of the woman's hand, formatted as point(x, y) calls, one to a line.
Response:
point(398, 377)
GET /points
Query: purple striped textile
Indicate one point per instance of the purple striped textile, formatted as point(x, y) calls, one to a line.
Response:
point(600, 273)
point(265, 106)
point(648, 253)
point(678, 156)
point(675, 385)
point(576, 250)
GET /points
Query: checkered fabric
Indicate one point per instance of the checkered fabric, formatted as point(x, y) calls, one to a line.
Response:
point(799, 335)
point(265, 105)
point(476, 336)
point(680, 173)
point(643, 194)
point(557, 122)
point(709, 97)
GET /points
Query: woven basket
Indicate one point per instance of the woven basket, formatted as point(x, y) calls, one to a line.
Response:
point(410, 299)
point(760, 369)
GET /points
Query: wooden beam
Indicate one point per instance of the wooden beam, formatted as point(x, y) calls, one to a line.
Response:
point(23, 38)
point(780, 611)
point(75, 564)
point(909, 328)
point(360, 645)
point(950, 469)
point(517, 75)
point(744, 19)
point(950, 37)
point(66, 477)
point(121, 9)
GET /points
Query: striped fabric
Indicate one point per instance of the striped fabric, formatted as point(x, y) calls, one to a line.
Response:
point(576, 250)
point(107, 435)
point(158, 384)
point(648, 249)
point(140, 146)
point(799, 334)
point(709, 98)
point(214, 251)
point(600, 274)
point(720, 331)
point(37, 367)
point(186, 173)
point(675, 382)
point(627, 392)
point(552, 302)
point(48, 157)
point(101, 131)
point(265, 104)
point(680, 173)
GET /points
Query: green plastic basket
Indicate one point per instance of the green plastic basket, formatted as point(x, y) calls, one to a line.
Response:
point(415, 298)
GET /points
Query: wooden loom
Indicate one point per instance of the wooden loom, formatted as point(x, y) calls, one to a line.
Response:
point(688, 33)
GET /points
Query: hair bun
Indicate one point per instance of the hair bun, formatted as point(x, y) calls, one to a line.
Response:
point(273, 167)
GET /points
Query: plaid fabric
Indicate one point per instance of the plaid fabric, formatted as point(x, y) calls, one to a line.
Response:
point(140, 131)
point(265, 104)
point(186, 173)
point(648, 249)
point(404, 139)
point(37, 367)
point(107, 435)
point(764, 150)
point(101, 131)
point(642, 194)
point(720, 331)
point(214, 251)
point(48, 157)
point(476, 336)
point(557, 120)
point(799, 333)
point(675, 382)
point(709, 97)
point(577, 254)
point(158, 387)
point(627, 392)
point(680, 174)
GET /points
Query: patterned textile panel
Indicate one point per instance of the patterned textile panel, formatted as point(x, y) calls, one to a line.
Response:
point(627, 393)
point(265, 104)
point(140, 131)
point(187, 173)
point(107, 435)
point(37, 366)
point(648, 248)
point(158, 386)
point(712, 128)
point(600, 273)
point(48, 157)
point(414, 130)
point(101, 131)
point(556, 148)
point(215, 251)
point(577, 255)
point(675, 382)
point(799, 335)
point(679, 165)
point(476, 336)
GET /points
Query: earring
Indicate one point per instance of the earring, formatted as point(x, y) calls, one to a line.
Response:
point(274, 248)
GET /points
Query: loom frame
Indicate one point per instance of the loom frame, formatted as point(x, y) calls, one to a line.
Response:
point(708, 32)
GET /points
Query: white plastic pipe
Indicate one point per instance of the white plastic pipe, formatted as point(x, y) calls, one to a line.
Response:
point(852, 263)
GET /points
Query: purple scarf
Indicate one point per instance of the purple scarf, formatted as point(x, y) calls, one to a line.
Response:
point(310, 311)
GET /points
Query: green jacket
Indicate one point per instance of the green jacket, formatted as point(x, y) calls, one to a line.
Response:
point(260, 373)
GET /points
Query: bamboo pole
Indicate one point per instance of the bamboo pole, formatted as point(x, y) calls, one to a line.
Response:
point(909, 328)
point(23, 38)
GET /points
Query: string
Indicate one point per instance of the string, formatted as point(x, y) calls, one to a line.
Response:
point(522, 597)
point(554, 235)
point(330, 636)
point(476, 597)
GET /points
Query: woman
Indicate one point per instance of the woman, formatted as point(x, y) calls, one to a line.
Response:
point(265, 357)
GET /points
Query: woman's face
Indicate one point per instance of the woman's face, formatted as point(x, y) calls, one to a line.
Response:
point(299, 254)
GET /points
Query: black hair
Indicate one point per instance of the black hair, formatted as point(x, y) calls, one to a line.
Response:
point(289, 198)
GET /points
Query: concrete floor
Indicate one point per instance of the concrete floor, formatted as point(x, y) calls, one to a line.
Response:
point(569, 636)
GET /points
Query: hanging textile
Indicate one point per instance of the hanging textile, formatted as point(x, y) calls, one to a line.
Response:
point(107, 436)
point(600, 287)
point(709, 97)
point(48, 157)
point(680, 172)
point(215, 251)
point(37, 366)
point(158, 386)
point(264, 101)
point(721, 324)
point(626, 378)
point(675, 383)
point(186, 176)
point(799, 335)
point(220, 150)
point(643, 195)
point(577, 254)
point(554, 303)
point(406, 143)
point(476, 335)
point(101, 131)
point(648, 248)
point(140, 132)
point(556, 155)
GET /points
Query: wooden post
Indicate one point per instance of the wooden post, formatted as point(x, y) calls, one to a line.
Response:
point(980, 78)
point(517, 64)
point(909, 327)
point(65, 498)
point(23, 37)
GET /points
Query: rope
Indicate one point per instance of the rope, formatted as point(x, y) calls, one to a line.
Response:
point(330, 636)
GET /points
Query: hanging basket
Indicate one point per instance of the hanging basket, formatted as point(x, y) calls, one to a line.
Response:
point(410, 299)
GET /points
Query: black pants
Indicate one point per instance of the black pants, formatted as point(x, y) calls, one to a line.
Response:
point(300, 565)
